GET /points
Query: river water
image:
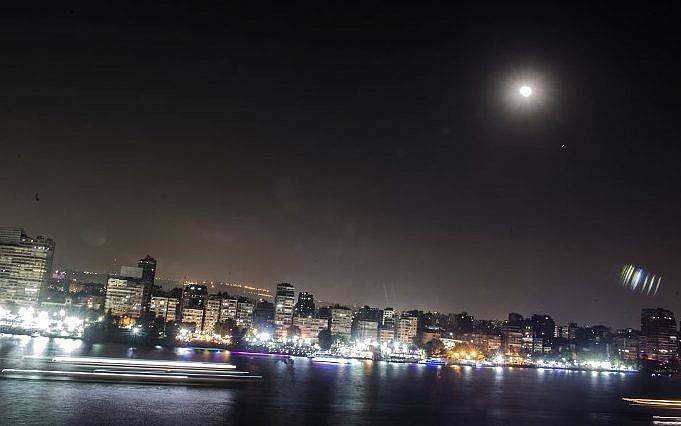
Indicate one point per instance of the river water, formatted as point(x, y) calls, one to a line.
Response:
point(305, 393)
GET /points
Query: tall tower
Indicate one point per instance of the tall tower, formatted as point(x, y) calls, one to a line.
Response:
point(658, 338)
point(25, 266)
point(148, 265)
point(283, 307)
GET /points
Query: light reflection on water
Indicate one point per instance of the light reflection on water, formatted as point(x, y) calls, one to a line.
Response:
point(303, 392)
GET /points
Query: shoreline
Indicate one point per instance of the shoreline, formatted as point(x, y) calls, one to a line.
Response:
point(246, 352)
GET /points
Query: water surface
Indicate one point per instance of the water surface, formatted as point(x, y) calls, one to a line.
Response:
point(306, 393)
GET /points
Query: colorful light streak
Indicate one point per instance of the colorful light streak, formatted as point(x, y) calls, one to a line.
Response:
point(639, 280)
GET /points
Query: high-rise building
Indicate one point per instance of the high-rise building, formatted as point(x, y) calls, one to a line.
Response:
point(229, 307)
point(365, 330)
point(658, 340)
point(388, 317)
point(194, 296)
point(341, 322)
point(527, 346)
point(284, 301)
point(572, 331)
point(386, 333)
point(543, 326)
point(305, 305)
point(25, 266)
point(136, 273)
point(406, 329)
point(511, 339)
point(148, 265)
point(263, 316)
point(244, 312)
point(310, 327)
point(124, 296)
point(193, 316)
point(211, 312)
point(562, 332)
point(625, 344)
point(370, 314)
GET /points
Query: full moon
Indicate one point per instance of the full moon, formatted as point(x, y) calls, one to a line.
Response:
point(525, 91)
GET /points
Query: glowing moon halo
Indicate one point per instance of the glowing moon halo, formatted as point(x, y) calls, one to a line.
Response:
point(525, 91)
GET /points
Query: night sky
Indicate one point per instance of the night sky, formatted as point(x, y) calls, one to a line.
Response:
point(374, 154)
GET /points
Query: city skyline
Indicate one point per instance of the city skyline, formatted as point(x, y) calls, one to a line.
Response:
point(362, 151)
point(350, 301)
point(142, 278)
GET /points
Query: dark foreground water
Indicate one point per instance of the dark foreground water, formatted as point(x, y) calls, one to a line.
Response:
point(306, 393)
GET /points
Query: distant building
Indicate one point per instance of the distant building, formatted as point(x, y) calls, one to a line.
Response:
point(263, 316)
point(90, 302)
point(658, 340)
point(388, 314)
point(429, 334)
point(462, 323)
point(543, 326)
point(562, 332)
point(493, 343)
point(365, 330)
point(148, 266)
point(193, 316)
point(596, 339)
point(341, 322)
point(436, 320)
point(211, 314)
point(244, 312)
point(131, 272)
point(488, 343)
point(93, 289)
point(387, 324)
point(511, 340)
point(515, 319)
point(366, 324)
point(137, 274)
point(194, 296)
point(386, 333)
point(228, 309)
point(90, 283)
point(25, 266)
point(165, 307)
point(310, 327)
point(406, 329)
point(324, 312)
point(528, 340)
point(572, 331)
point(124, 296)
point(305, 305)
point(370, 314)
point(284, 302)
point(625, 344)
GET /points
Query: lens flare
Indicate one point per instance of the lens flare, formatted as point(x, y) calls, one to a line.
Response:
point(639, 280)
